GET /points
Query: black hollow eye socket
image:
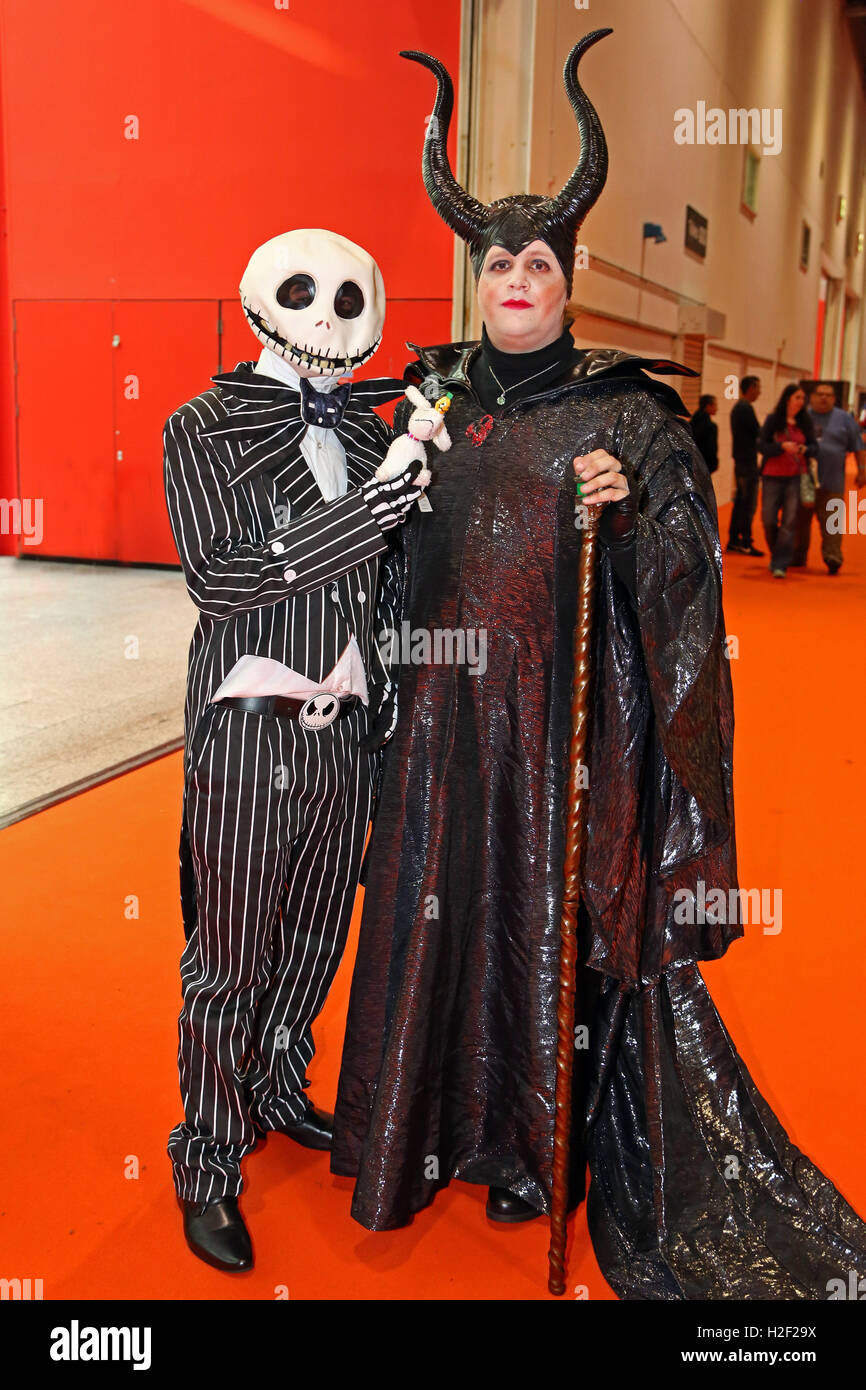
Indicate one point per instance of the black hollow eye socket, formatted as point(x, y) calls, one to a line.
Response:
point(298, 292)
point(349, 300)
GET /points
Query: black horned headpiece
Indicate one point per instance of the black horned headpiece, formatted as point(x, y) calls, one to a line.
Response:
point(520, 219)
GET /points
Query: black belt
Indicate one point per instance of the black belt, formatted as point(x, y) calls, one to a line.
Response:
point(291, 707)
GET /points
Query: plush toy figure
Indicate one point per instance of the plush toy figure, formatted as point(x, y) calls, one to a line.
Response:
point(425, 423)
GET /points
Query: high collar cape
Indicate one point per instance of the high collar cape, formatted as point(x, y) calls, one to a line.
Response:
point(451, 362)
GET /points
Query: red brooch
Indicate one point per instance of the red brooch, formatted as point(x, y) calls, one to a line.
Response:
point(478, 433)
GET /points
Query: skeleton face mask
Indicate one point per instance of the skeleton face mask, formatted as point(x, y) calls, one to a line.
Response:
point(316, 299)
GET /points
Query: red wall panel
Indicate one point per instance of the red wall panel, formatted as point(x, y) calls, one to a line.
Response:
point(8, 469)
point(66, 426)
point(165, 353)
point(419, 320)
point(238, 343)
point(245, 121)
point(148, 150)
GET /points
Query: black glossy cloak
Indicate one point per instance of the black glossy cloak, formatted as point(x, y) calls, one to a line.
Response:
point(449, 1060)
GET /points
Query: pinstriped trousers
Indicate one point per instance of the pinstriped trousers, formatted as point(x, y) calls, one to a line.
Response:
point(277, 817)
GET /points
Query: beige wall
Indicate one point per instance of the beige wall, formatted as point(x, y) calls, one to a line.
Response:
point(664, 55)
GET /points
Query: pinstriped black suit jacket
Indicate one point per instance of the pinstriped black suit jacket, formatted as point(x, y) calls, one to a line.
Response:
point(274, 569)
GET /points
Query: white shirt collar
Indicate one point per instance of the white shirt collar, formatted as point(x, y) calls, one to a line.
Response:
point(269, 364)
point(322, 448)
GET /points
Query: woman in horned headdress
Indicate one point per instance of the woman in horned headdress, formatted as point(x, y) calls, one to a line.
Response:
point(449, 1062)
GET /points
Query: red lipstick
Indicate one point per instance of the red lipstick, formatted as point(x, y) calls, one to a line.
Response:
point(516, 304)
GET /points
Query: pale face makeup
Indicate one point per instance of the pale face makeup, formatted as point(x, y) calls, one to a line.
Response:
point(522, 297)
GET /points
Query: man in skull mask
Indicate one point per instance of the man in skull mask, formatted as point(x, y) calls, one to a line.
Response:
point(280, 526)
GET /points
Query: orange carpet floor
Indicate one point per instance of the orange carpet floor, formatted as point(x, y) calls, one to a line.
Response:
point(88, 1086)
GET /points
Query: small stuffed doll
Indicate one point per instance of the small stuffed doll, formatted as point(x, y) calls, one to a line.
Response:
point(427, 422)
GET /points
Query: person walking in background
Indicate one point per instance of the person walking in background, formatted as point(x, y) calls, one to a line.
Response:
point(837, 434)
point(706, 431)
point(787, 442)
point(745, 429)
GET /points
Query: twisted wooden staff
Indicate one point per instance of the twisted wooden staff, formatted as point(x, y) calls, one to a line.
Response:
point(576, 817)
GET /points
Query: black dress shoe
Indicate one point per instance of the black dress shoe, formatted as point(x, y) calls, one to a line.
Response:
point(215, 1231)
point(503, 1205)
point(314, 1131)
point(752, 550)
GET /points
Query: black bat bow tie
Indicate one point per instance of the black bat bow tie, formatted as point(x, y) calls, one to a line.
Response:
point(323, 408)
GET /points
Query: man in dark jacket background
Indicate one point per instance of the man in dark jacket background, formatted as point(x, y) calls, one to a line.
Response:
point(745, 429)
point(706, 431)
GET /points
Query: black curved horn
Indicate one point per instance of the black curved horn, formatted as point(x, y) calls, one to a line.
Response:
point(462, 213)
point(582, 190)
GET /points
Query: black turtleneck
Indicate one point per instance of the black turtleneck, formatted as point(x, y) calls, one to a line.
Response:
point(528, 373)
point(522, 374)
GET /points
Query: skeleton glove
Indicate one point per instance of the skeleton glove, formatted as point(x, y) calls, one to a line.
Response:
point(390, 500)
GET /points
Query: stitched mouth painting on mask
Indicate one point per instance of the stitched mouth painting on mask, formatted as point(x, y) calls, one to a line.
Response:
point(315, 298)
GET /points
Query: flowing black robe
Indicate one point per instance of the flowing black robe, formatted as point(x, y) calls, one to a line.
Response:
point(449, 1060)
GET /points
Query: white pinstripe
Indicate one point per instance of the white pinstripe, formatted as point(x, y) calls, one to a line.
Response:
point(270, 933)
point(274, 869)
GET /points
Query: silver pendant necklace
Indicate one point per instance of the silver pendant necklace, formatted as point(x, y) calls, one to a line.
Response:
point(503, 390)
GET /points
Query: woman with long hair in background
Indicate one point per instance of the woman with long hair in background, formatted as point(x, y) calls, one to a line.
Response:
point(787, 442)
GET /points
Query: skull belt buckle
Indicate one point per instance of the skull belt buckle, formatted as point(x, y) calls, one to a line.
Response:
point(319, 711)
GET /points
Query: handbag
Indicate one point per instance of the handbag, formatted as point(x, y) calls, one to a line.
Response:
point(807, 482)
point(807, 488)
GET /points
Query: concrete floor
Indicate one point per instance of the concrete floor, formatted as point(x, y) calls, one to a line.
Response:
point(92, 674)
